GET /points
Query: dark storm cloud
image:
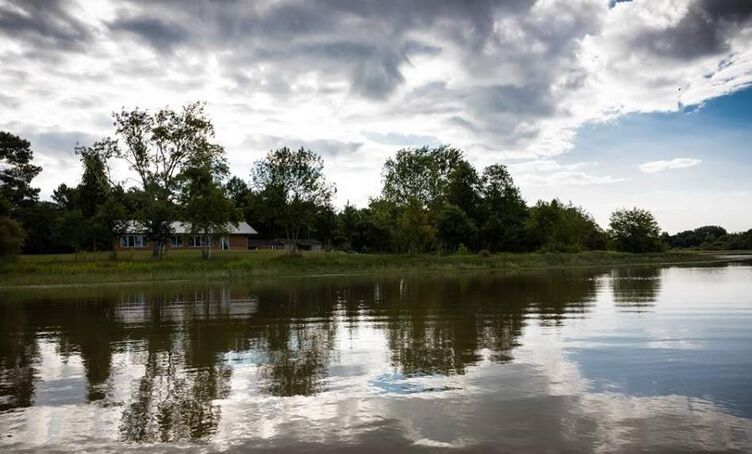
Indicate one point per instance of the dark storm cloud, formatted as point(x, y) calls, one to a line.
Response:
point(154, 31)
point(364, 42)
point(509, 75)
point(43, 23)
point(704, 30)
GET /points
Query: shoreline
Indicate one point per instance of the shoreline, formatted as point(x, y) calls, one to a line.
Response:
point(66, 271)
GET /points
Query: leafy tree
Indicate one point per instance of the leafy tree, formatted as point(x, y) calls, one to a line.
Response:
point(66, 197)
point(159, 147)
point(504, 209)
point(635, 230)
point(700, 237)
point(419, 175)
point(257, 213)
point(415, 232)
point(95, 186)
point(69, 230)
point(385, 216)
point(293, 184)
point(206, 206)
point(370, 235)
point(563, 227)
point(347, 222)
point(324, 226)
point(454, 227)
point(463, 189)
point(12, 237)
point(16, 173)
point(95, 196)
point(40, 222)
point(109, 221)
point(238, 191)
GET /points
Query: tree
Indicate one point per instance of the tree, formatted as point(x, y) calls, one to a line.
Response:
point(415, 232)
point(454, 227)
point(238, 191)
point(562, 227)
point(11, 237)
point(635, 230)
point(704, 237)
point(159, 147)
point(16, 173)
point(293, 184)
point(419, 175)
point(94, 196)
point(505, 211)
point(463, 190)
point(206, 206)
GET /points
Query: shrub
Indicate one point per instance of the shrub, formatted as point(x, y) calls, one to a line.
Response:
point(484, 254)
point(12, 237)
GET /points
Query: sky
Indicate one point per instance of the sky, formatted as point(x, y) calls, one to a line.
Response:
point(604, 103)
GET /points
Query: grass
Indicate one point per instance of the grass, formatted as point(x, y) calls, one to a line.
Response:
point(97, 268)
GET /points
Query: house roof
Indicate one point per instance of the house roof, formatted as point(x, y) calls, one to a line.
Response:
point(181, 228)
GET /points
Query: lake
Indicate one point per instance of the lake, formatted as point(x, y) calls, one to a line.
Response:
point(616, 360)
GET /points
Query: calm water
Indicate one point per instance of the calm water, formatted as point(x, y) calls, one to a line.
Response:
point(598, 360)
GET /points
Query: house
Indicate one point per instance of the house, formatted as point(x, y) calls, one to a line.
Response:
point(239, 238)
point(284, 244)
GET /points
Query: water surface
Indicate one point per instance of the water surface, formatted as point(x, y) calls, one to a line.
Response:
point(638, 358)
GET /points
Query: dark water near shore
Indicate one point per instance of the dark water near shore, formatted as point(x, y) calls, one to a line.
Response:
point(653, 358)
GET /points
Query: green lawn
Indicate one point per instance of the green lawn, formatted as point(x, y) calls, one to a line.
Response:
point(89, 268)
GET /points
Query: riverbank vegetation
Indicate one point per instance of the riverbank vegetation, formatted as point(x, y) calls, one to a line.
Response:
point(100, 268)
point(432, 201)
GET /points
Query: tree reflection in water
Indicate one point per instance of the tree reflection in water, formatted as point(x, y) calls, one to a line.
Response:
point(180, 337)
point(636, 289)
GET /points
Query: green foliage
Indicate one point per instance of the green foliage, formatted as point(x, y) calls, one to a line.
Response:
point(12, 237)
point(557, 227)
point(160, 147)
point(505, 212)
point(293, 189)
point(454, 228)
point(16, 173)
point(206, 207)
point(420, 176)
point(415, 233)
point(238, 191)
point(709, 237)
point(635, 230)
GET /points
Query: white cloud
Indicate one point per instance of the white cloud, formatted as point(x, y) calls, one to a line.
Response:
point(662, 166)
point(500, 79)
point(547, 172)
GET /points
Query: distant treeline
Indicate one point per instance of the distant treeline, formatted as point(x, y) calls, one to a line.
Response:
point(709, 237)
point(432, 200)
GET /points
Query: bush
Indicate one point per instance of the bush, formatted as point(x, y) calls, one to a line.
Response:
point(635, 230)
point(12, 237)
point(484, 254)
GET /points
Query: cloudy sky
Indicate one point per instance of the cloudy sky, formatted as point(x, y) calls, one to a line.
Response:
point(606, 103)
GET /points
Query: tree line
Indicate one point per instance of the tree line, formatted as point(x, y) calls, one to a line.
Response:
point(433, 200)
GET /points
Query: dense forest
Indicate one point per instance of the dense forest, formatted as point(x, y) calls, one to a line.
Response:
point(432, 200)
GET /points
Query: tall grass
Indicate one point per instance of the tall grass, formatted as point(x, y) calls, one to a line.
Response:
point(139, 266)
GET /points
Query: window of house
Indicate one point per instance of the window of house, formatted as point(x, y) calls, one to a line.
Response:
point(132, 241)
point(197, 241)
point(176, 241)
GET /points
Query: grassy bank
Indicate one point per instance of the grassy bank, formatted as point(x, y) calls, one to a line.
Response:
point(94, 268)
